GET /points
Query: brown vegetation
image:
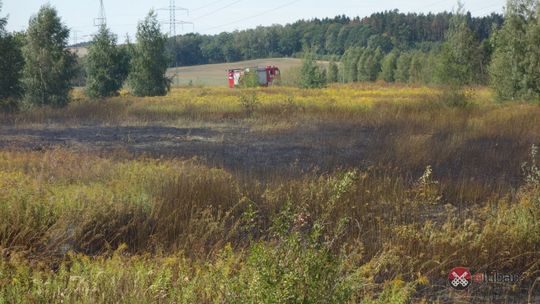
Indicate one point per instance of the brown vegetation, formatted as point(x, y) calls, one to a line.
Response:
point(436, 186)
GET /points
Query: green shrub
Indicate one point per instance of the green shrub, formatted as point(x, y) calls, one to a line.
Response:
point(514, 72)
point(9, 105)
point(249, 102)
point(250, 79)
point(311, 75)
point(333, 72)
point(456, 97)
point(11, 63)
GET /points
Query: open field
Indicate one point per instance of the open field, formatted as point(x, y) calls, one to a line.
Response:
point(216, 74)
point(366, 192)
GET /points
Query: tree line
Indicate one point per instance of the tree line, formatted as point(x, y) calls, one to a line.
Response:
point(461, 58)
point(39, 70)
point(507, 57)
point(327, 37)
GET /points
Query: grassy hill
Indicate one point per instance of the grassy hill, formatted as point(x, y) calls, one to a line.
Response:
point(216, 75)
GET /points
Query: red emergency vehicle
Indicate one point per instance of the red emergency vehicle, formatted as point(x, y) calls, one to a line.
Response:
point(266, 75)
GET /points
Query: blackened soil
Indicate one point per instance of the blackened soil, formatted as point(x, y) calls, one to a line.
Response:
point(240, 149)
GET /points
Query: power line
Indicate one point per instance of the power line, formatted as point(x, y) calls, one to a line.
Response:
point(206, 5)
point(173, 22)
point(474, 10)
point(366, 5)
point(218, 10)
point(78, 38)
point(434, 4)
point(75, 36)
point(486, 7)
point(253, 16)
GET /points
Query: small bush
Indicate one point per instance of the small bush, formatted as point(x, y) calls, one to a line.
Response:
point(311, 75)
point(249, 102)
point(456, 97)
point(9, 105)
point(250, 79)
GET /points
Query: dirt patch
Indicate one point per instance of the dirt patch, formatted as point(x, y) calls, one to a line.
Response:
point(237, 148)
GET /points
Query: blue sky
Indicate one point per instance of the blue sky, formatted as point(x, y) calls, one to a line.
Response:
point(214, 16)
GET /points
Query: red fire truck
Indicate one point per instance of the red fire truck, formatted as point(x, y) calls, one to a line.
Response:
point(266, 75)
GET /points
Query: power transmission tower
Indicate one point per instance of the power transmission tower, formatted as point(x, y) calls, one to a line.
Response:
point(75, 36)
point(173, 22)
point(101, 20)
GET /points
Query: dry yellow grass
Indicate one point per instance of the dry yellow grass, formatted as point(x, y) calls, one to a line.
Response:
point(443, 185)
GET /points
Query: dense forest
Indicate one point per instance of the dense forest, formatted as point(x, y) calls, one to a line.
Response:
point(328, 38)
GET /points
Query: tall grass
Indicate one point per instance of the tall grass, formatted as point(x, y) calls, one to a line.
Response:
point(179, 231)
point(482, 144)
point(443, 185)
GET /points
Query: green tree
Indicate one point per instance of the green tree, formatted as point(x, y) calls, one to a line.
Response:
point(311, 74)
point(417, 66)
point(382, 42)
point(515, 67)
point(107, 65)
point(79, 77)
point(389, 66)
point(150, 61)
point(11, 63)
point(403, 65)
point(333, 72)
point(349, 64)
point(429, 66)
point(49, 66)
point(461, 57)
point(372, 65)
point(362, 73)
point(330, 36)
